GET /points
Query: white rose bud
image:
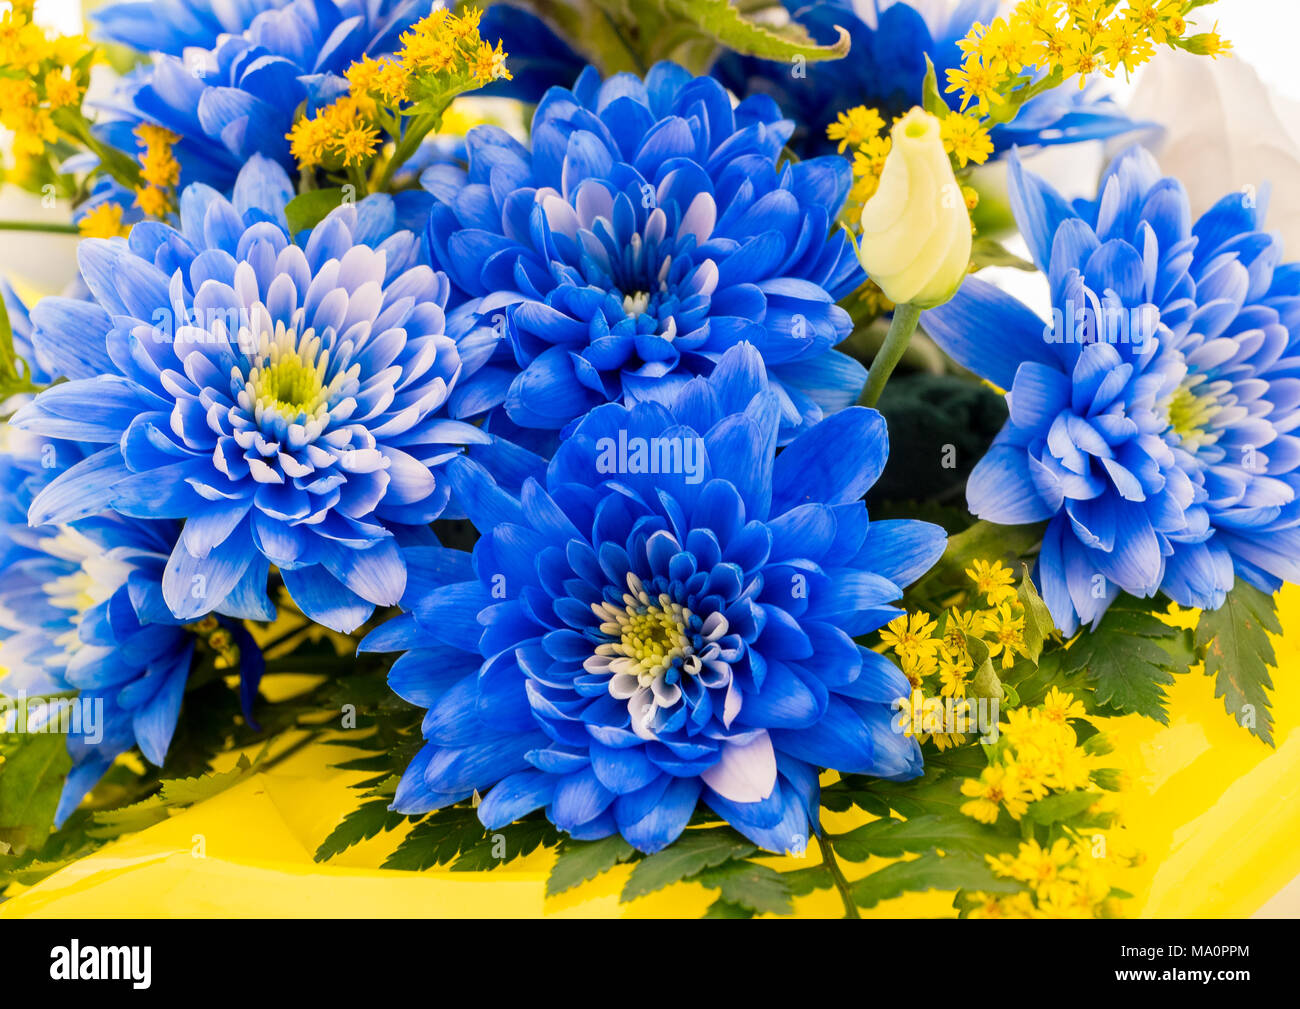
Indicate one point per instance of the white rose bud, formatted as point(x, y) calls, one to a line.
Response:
point(916, 237)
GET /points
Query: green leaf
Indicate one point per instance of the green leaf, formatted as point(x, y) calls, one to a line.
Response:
point(721, 909)
point(580, 861)
point(507, 843)
point(804, 881)
point(1233, 641)
point(931, 100)
point(990, 252)
point(306, 210)
point(437, 840)
point(961, 871)
point(138, 816)
point(1039, 625)
point(31, 780)
point(693, 852)
point(757, 888)
point(632, 35)
point(188, 791)
point(985, 681)
point(891, 838)
point(363, 823)
point(981, 541)
point(1061, 807)
point(722, 22)
point(1129, 658)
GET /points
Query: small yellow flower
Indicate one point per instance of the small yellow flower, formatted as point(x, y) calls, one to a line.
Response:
point(61, 89)
point(104, 221)
point(363, 75)
point(1058, 706)
point(911, 636)
point(994, 580)
point(152, 201)
point(1007, 46)
point(357, 143)
point(489, 64)
point(996, 788)
point(965, 139)
point(1036, 865)
point(158, 166)
point(855, 127)
point(1080, 58)
point(1008, 630)
point(1122, 48)
point(975, 81)
point(952, 675)
point(1213, 44)
point(393, 82)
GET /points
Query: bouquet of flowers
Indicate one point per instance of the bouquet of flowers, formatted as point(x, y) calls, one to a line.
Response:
point(516, 389)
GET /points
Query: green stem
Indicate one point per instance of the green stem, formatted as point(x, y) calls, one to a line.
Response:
point(415, 133)
point(837, 875)
point(901, 328)
point(53, 229)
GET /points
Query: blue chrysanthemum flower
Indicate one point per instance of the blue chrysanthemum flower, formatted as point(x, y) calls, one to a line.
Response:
point(81, 609)
point(1152, 421)
point(885, 69)
point(641, 634)
point(539, 58)
point(285, 400)
point(237, 96)
point(649, 228)
point(172, 26)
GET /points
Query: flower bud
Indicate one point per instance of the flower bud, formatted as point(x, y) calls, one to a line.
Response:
point(916, 237)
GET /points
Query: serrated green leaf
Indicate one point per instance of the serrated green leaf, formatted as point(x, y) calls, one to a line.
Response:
point(960, 871)
point(31, 780)
point(1129, 659)
point(1233, 641)
point(721, 909)
point(891, 838)
point(693, 852)
point(580, 861)
point(363, 823)
point(437, 840)
point(804, 881)
point(507, 843)
point(130, 819)
point(757, 888)
point(188, 791)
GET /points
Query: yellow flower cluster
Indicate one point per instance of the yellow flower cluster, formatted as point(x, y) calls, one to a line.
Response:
point(160, 172)
point(1061, 39)
point(965, 139)
point(863, 131)
point(935, 655)
point(1037, 755)
point(39, 75)
point(104, 221)
point(339, 133)
point(1062, 880)
point(440, 55)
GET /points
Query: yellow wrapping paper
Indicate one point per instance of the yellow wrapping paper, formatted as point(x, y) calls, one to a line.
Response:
point(1215, 813)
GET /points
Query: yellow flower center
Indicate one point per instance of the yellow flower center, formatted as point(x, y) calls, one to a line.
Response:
point(1190, 412)
point(653, 638)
